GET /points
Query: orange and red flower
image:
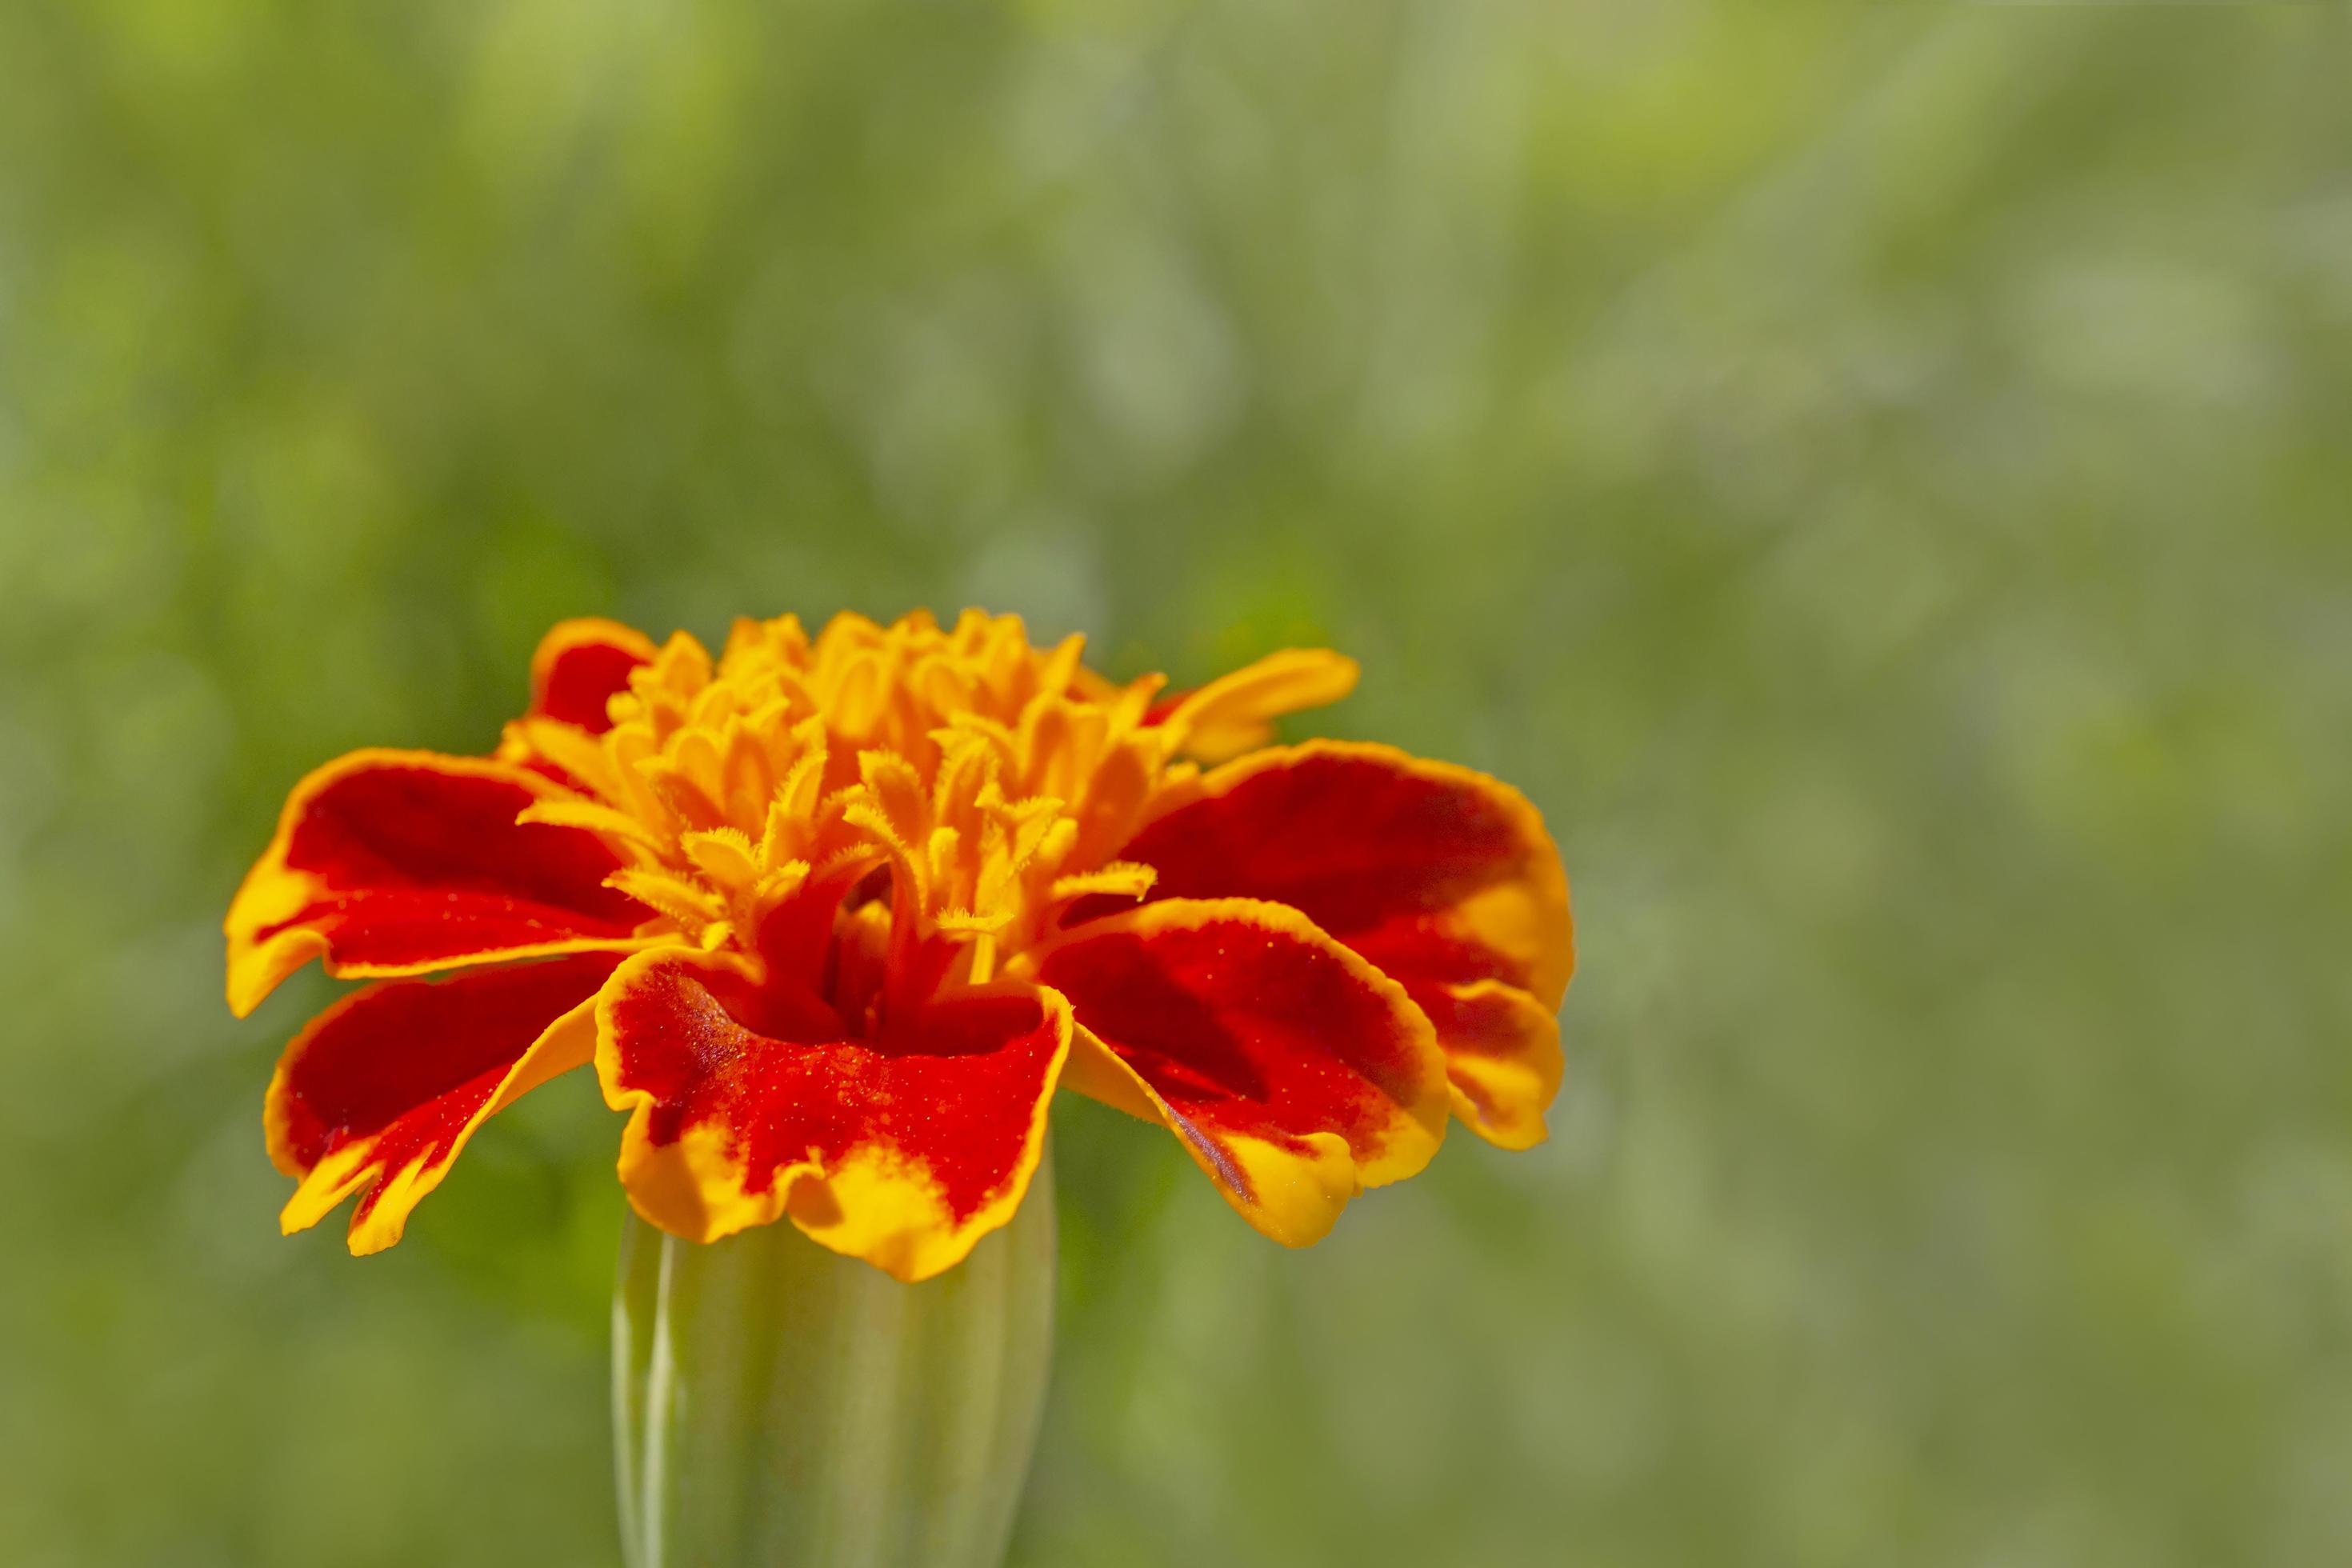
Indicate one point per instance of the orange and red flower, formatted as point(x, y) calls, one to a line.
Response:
point(834, 916)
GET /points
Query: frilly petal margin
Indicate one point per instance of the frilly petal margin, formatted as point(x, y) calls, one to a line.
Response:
point(1296, 1073)
point(1440, 876)
point(389, 863)
point(1502, 1055)
point(579, 665)
point(747, 1106)
point(384, 1089)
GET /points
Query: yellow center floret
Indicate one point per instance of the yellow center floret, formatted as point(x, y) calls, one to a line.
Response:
point(996, 780)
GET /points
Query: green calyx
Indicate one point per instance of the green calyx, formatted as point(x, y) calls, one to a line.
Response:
point(775, 1402)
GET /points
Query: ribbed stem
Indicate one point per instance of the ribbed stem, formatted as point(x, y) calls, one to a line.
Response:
point(776, 1403)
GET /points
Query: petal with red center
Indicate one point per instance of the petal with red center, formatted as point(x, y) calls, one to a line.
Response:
point(748, 1105)
point(579, 665)
point(399, 862)
point(1440, 876)
point(1296, 1073)
point(383, 1090)
point(1502, 1055)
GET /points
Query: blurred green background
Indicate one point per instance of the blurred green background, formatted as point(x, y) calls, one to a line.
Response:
point(1879, 477)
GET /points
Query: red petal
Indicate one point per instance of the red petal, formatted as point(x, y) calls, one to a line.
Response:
point(1502, 1055)
point(750, 1105)
point(579, 665)
point(382, 1089)
point(1440, 876)
point(1295, 1072)
point(1427, 868)
point(398, 862)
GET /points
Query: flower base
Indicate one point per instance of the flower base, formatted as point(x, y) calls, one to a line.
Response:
point(775, 1402)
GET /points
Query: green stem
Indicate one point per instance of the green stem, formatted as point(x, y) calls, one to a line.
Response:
point(775, 1402)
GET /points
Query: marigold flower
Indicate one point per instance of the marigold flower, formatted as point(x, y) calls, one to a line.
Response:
point(834, 916)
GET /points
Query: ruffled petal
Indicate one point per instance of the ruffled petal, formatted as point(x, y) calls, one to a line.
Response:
point(748, 1105)
point(1502, 1055)
point(383, 1090)
point(1443, 876)
point(1296, 1073)
point(579, 665)
point(399, 862)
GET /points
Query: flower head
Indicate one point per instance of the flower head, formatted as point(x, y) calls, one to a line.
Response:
point(835, 915)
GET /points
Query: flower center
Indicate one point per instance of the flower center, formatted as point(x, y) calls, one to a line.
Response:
point(926, 789)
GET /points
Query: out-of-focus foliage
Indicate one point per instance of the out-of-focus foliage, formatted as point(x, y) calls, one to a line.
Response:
point(1879, 478)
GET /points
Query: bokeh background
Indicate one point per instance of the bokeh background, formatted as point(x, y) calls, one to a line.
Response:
point(1878, 476)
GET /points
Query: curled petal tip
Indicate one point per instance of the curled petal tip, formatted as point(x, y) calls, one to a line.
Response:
point(1295, 1073)
point(382, 1092)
